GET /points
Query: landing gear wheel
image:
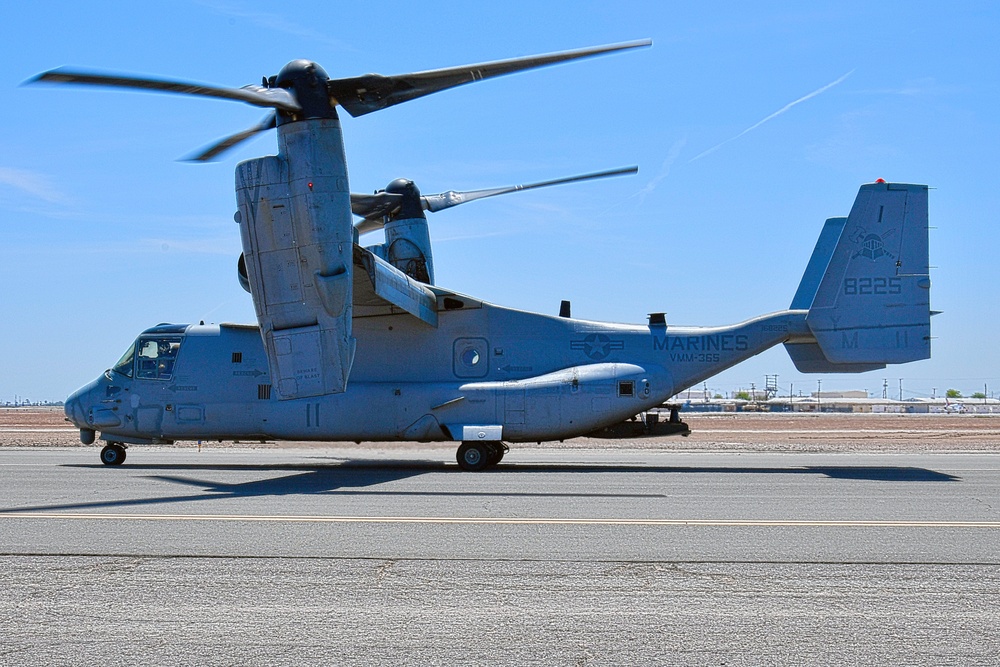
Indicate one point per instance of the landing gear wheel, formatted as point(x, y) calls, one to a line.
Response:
point(474, 456)
point(113, 454)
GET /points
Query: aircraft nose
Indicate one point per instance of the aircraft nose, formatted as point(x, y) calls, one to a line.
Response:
point(73, 407)
point(78, 405)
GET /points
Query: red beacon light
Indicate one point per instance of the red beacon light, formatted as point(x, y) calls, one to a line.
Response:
point(880, 180)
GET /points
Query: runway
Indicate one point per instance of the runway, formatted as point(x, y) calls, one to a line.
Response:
point(556, 557)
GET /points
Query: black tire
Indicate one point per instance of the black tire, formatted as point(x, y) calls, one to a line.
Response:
point(113, 454)
point(474, 456)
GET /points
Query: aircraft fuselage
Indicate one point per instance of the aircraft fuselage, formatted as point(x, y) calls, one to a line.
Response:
point(485, 372)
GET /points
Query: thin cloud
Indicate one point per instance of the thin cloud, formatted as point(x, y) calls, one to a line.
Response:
point(772, 116)
point(472, 236)
point(276, 22)
point(33, 184)
point(916, 87)
point(206, 246)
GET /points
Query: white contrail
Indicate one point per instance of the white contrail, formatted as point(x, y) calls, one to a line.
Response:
point(672, 156)
point(668, 163)
point(774, 115)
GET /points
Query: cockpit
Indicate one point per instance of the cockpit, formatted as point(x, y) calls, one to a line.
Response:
point(151, 357)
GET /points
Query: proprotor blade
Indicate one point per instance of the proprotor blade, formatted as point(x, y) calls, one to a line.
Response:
point(371, 92)
point(434, 203)
point(374, 207)
point(274, 98)
point(223, 145)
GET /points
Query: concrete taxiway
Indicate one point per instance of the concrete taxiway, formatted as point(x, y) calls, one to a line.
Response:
point(556, 557)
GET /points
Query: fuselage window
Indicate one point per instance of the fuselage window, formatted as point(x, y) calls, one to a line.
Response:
point(124, 365)
point(156, 358)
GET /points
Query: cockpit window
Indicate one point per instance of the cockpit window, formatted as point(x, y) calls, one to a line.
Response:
point(156, 357)
point(124, 365)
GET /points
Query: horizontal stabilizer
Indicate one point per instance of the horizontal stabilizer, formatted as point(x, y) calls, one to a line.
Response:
point(809, 358)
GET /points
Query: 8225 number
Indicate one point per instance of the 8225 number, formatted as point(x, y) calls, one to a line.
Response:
point(872, 286)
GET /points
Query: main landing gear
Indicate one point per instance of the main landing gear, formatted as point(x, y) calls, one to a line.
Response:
point(113, 454)
point(476, 456)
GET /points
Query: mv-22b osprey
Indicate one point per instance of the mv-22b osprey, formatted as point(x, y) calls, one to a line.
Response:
point(359, 344)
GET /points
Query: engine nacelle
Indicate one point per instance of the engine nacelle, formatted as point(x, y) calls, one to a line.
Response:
point(298, 245)
point(407, 239)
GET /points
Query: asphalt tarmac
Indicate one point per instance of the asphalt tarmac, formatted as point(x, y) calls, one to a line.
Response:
point(576, 557)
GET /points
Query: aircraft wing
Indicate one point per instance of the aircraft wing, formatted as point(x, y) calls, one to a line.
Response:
point(380, 289)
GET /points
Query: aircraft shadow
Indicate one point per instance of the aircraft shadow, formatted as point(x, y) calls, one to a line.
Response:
point(867, 473)
point(364, 477)
point(367, 472)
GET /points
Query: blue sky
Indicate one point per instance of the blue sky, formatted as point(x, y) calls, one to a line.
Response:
point(750, 122)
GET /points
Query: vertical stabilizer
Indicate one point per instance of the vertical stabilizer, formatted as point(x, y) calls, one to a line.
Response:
point(818, 263)
point(872, 305)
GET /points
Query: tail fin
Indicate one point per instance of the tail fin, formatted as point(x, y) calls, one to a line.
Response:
point(867, 285)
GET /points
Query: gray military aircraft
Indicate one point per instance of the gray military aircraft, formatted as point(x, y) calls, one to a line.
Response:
point(359, 344)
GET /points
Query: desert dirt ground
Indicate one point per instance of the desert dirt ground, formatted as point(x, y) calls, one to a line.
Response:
point(775, 432)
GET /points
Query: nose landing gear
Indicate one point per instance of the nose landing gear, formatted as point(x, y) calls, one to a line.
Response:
point(113, 454)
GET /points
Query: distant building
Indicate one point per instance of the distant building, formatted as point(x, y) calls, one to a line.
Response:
point(856, 393)
point(692, 395)
point(832, 401)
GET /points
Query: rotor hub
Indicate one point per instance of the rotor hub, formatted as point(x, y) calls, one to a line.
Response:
point(410, 205)
point(308, 81)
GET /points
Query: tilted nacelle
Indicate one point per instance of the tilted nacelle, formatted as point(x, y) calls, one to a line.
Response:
point(298, 240)
point(407, 238)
